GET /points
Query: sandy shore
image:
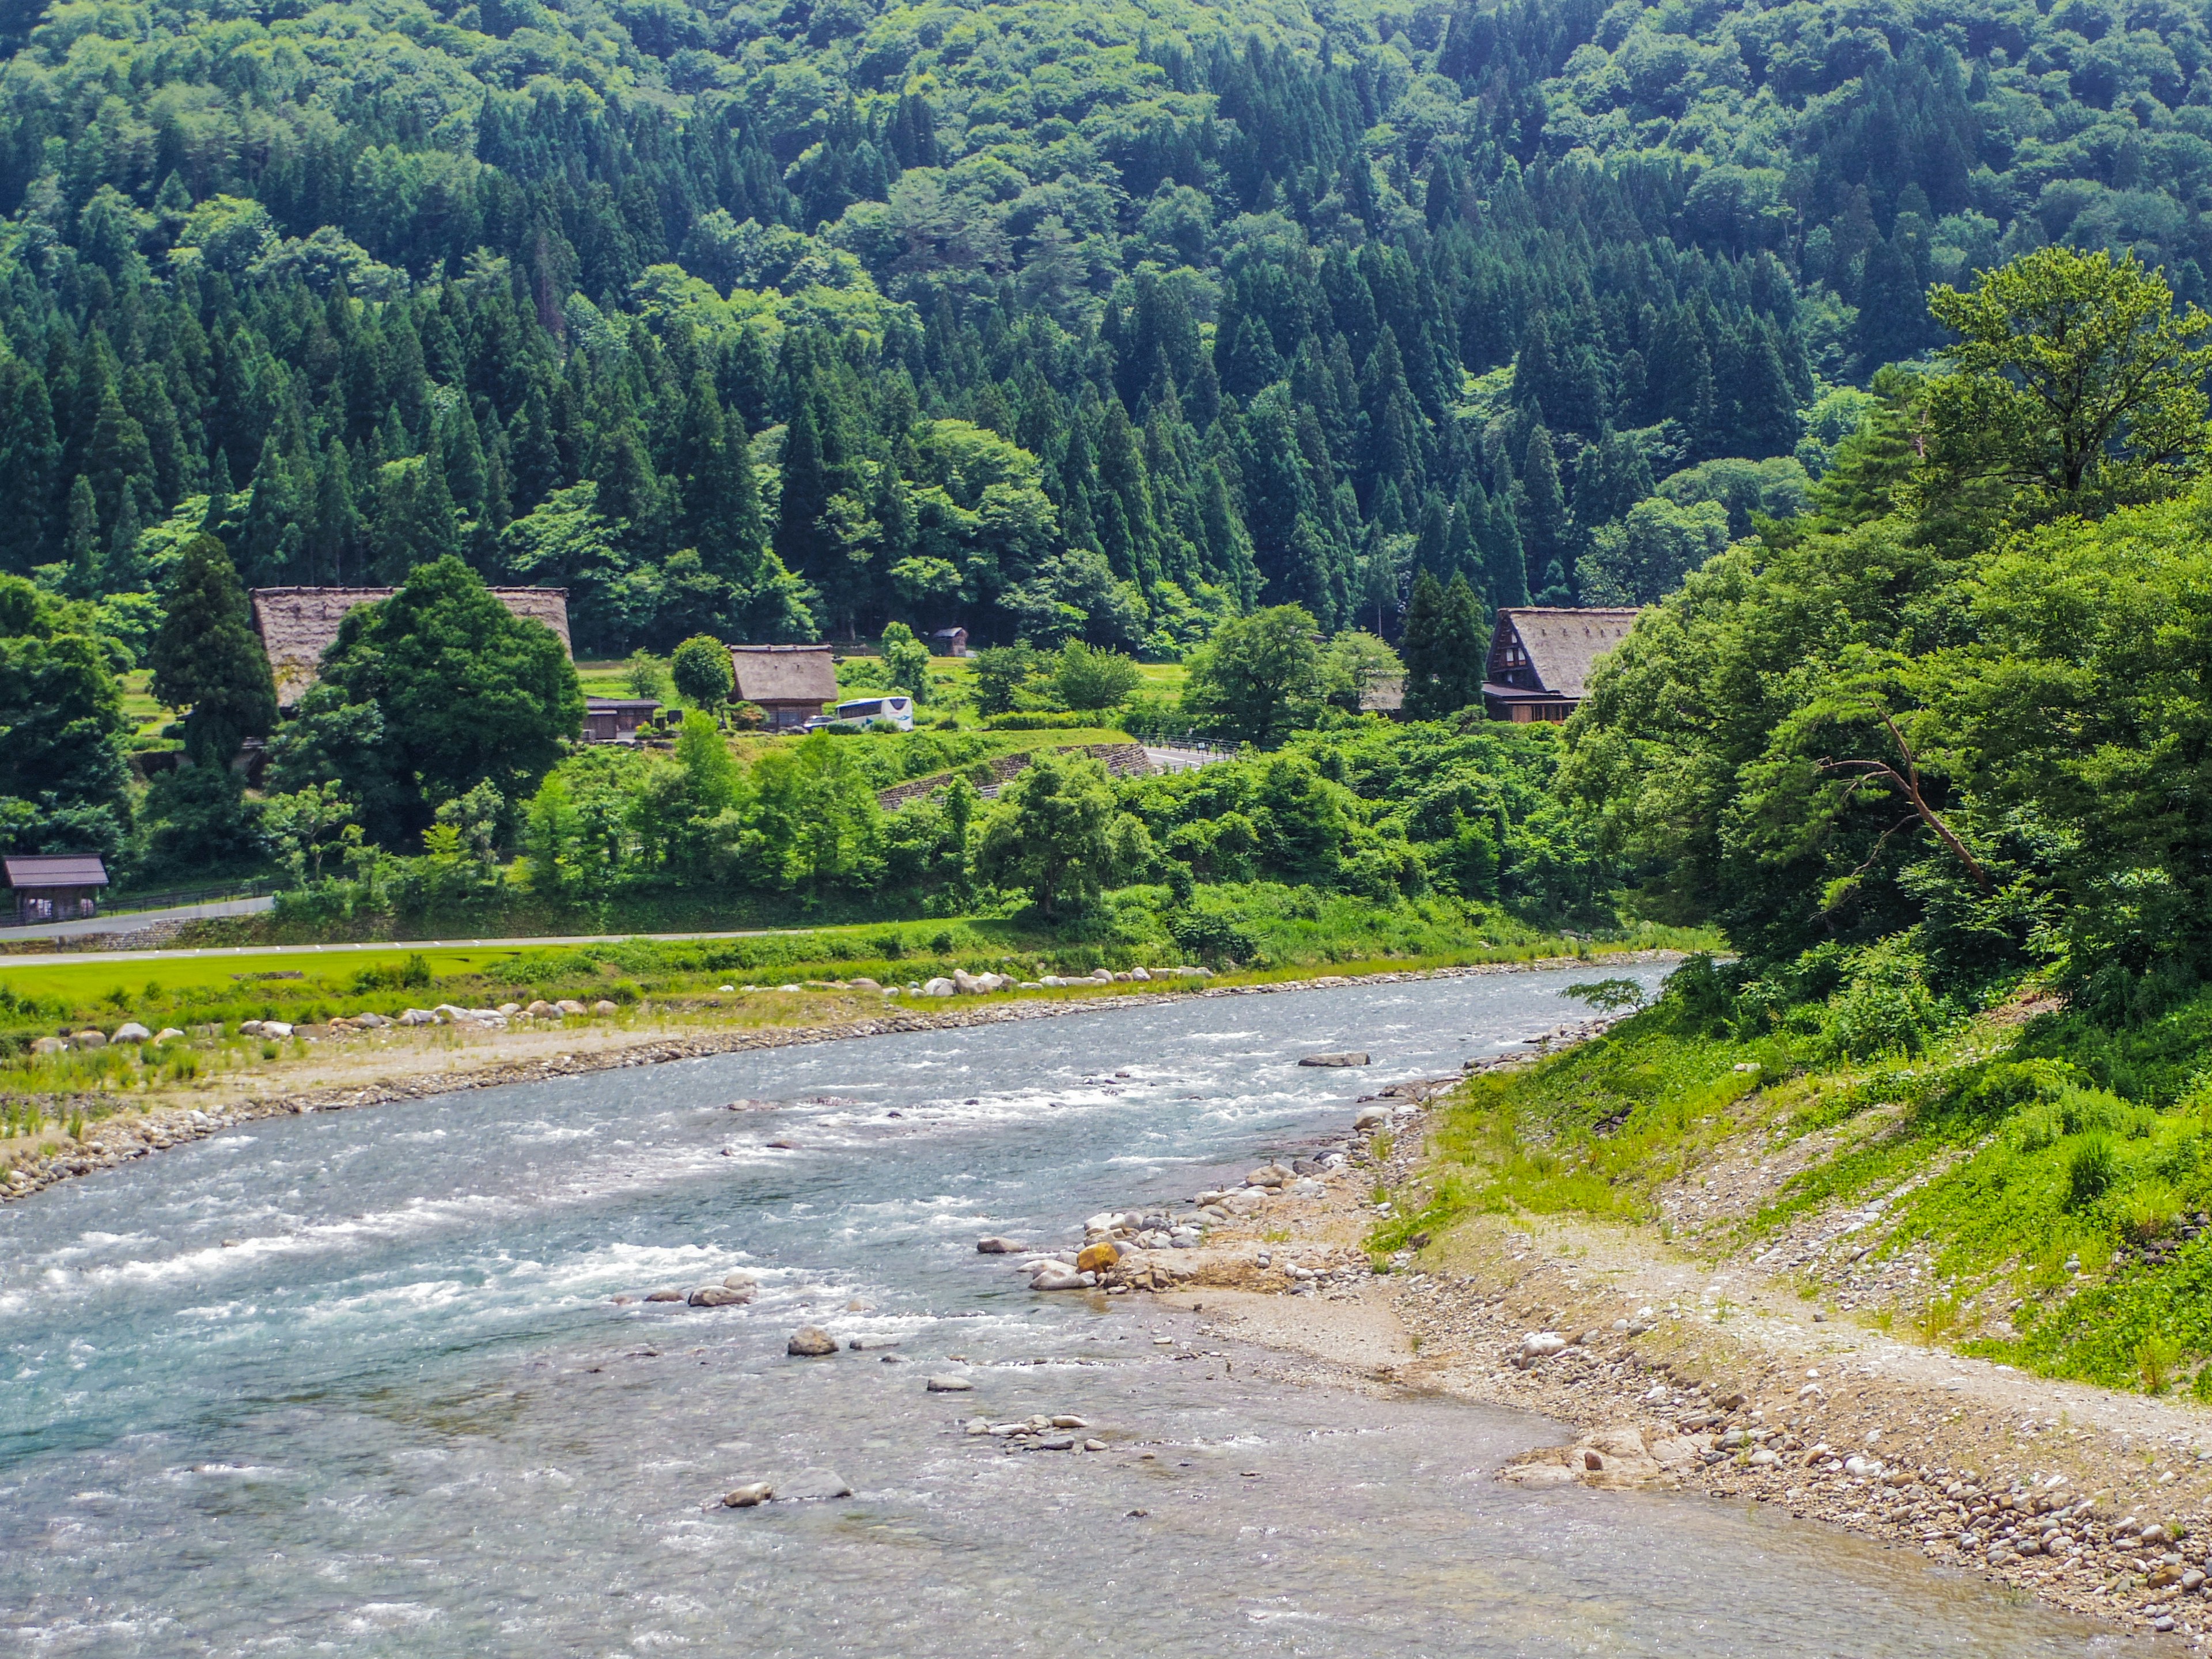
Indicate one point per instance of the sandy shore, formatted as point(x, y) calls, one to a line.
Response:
point(338, 1071)
point(1710, 1375)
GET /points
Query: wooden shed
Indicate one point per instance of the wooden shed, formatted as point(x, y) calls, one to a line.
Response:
point(789, 682)
point(1541, 659)
point(298, 624)
point(616, 720)
point(54, 886)
point(949, 642)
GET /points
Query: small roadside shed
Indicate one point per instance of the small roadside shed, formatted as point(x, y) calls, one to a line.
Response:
point(949, 642)
point(790, 684)
point(616, 720)
point(54, 886)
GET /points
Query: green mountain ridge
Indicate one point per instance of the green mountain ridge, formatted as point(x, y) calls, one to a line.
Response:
point(780, 322)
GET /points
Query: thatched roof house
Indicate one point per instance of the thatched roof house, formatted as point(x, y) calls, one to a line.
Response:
point(1541, 659)
point(297, 624)
point(790, 683)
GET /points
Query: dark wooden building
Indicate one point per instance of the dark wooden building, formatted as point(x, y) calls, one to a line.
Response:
point(53, 886)
point(1541, 659)
point(949, 642)
point(789, 682)
point(616, 720)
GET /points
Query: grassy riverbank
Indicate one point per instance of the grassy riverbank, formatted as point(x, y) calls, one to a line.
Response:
point(2025, 1188)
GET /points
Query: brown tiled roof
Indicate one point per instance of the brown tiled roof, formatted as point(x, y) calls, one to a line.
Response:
point(55, 870)
point(784, 673)
point(1563, 646)
point(297, 624)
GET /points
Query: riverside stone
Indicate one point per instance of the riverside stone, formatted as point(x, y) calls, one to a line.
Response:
point(810, 1342)
point(1097, 1258)
point(997, 1246)
point(130, 1031)
point(720, 1296)
point(948, 1385)
point(939, 987)
point(1347, 1057)
point(814, 1483)
point(602, 1009)
point(747, 1496)
point(664, 1295)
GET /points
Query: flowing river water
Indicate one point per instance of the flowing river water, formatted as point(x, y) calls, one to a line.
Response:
point(355, 1384)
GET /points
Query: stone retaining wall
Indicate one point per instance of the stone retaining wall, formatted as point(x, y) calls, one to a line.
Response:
point(1122, 760)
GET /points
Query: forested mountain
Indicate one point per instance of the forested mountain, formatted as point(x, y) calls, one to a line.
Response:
point(780, 320)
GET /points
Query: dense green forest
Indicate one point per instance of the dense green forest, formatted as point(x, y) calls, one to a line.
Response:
point(779, 321)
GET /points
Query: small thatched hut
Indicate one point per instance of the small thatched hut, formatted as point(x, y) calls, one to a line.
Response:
point(297, 624)
point(790, 683)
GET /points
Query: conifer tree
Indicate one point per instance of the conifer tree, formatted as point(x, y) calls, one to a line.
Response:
point(207, 660)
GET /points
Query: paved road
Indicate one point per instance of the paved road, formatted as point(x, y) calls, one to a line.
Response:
point(531, 942)
point(126, 920)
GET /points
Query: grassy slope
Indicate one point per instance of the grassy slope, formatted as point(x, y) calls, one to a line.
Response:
point(1996, 1164)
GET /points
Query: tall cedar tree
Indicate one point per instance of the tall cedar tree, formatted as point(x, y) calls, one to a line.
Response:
point(206, 658)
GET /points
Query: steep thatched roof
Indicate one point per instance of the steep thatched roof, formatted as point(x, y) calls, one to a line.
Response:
point(784, 673)
point(297, 624)
point(1562, 645)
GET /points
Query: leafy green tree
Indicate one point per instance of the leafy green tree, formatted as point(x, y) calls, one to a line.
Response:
point(468, 692)
point(1256, 677)
point(1085, 677)
point(1057, 835)
point(908, 658)
point(817, 825)
point(702, 671)
point(1648, 554)
point(199, 822)
point(306, 824)
point(1354, 664)
point(206, 658)
point(62, 773)
point(1002, 672)
point(648, 676)
point(2074, 372)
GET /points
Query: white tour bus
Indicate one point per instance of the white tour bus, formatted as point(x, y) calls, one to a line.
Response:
point(894, 707)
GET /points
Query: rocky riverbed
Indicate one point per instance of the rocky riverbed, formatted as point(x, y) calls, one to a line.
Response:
point(1682, 1375)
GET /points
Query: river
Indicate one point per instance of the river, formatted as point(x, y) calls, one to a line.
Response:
point(355, 1384)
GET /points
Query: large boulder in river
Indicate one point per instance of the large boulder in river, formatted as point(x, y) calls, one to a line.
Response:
point(939, 987)
point(1346, 1057)
point(130, 1031)
point(810, 1342)
point(720, 1296)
